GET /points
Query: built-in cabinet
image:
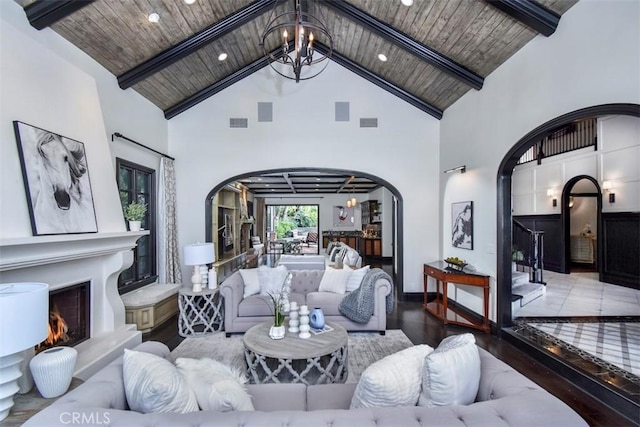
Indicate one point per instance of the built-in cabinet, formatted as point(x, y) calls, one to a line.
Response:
point(225, 209)
point(371, 247)
point(350, 239)
point(371, 212)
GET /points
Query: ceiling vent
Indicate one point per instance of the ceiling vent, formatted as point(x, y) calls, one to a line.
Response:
point(369, 122)
point(238, 123)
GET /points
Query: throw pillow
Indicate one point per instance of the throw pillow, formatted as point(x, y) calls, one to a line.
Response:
point(352, 257)
point(153, 384)
point(355, 279)
point(251, 281)
point(330, 247)
point(451, 373)
point(393, 380)
point(334, 280)
point(272, 279)
point(334, 252)
point(216, 386)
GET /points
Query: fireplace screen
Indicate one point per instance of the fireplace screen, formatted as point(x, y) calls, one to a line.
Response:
point(68, 317)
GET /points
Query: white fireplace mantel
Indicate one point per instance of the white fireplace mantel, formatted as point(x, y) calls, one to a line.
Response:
point(27, 252)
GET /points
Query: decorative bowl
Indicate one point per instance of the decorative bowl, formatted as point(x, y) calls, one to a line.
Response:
point(456, 265)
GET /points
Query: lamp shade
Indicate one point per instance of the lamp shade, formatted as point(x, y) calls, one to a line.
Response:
point(198, 254)
point(24, 316)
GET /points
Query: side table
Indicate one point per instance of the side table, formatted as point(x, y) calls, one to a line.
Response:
point(200, 312)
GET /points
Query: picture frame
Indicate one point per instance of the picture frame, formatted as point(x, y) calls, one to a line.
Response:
point(462, 225)
point(56, 180)
point(343, 216)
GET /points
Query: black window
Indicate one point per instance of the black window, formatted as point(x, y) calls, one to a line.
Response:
point(136, 183)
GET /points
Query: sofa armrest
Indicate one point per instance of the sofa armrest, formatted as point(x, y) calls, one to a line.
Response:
point(232, 290)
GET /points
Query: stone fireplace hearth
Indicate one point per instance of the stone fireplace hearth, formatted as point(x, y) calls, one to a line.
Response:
point(66, 260)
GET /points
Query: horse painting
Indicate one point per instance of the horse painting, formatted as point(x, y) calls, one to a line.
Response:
point(462, 225)
point(55, 170)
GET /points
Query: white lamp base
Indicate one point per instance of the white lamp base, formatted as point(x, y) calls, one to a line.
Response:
point(9, 374)
point(196, 279)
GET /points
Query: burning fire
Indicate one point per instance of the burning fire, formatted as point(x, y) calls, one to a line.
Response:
point(57, 331)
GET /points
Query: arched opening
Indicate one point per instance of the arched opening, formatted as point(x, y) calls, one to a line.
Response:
point(504, 200)
point(581, 223)
point(397, 217)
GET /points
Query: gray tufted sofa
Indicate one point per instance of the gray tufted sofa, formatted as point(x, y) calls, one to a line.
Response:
point(242, 313)
point(505, 398)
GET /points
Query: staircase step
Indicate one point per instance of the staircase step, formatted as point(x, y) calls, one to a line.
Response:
point(519, 278)
point(529, 292)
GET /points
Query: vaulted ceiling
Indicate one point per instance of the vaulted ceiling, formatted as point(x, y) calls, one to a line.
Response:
point(437, 50)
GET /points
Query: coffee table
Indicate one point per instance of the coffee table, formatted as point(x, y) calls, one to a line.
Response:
point(320, 359)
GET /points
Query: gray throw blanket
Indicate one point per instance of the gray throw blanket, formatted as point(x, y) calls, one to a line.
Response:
point(359, 304)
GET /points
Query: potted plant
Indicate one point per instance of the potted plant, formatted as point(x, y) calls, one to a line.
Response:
point(280, 306)
point(134, 212)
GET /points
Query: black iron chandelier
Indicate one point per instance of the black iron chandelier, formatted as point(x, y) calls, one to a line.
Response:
point(297, 58)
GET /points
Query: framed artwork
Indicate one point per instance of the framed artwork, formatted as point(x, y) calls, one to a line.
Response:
point(462, 225)
point(56, 181)
point(343, 216)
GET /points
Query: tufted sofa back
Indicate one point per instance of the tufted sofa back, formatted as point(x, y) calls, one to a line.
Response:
point(305, 281)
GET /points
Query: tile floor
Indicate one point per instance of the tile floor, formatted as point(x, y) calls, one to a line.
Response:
point(581, 294)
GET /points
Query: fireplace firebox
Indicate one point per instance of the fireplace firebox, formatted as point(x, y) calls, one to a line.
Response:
point(69, 316)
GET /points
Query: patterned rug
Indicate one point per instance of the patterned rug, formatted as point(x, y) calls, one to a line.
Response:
point(612, 345)
point(364, 349)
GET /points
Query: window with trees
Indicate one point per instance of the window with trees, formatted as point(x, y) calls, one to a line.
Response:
point(136, 184)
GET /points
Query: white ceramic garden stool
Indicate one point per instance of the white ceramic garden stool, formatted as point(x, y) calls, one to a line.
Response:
point(52, 370)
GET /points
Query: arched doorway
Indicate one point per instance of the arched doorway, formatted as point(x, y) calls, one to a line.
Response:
point(504, 200)
point(397, 223)
point(581, 223)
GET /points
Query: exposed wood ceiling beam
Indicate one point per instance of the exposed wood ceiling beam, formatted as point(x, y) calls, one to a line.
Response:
point(193, 43)
point(43, 13)
point(530, 13)
point(405, 42)
point(286, 178)
point(380, 82)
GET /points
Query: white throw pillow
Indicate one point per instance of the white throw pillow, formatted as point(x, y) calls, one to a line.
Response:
point(334, 253)
point(217, 387)
point(334, 280)
point(393, 380)
point(355, 279)
point(272, 279)
point(352, 257)
point(451, 373)
point(251, 281)
point(153, 384)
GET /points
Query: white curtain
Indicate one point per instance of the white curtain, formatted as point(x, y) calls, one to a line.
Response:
point(169, 257)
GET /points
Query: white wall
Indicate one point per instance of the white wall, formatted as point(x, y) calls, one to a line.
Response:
point(48, 83)
point(304, 134)
point(615, 160)
point(593, 58)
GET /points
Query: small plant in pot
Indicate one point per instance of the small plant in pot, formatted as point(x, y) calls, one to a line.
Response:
point(134, 212)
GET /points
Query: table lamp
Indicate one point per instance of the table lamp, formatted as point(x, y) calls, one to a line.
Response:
point(24, 321)
point(198, 254)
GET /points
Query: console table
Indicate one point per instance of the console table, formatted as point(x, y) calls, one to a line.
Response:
point(440, 306)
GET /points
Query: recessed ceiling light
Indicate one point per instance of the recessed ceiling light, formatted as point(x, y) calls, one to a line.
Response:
point(407, 2)
point(382, 57)
point(222, 56)
point(154, 17)
point(193, 1)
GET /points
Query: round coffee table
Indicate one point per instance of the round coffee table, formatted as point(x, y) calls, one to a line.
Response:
point(317, 360)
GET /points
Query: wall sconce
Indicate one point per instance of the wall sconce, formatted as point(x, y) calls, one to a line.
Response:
point(551, 192)
point(607, 186)
point(462, 169)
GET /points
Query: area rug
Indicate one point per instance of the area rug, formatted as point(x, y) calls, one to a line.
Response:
point(364, 349)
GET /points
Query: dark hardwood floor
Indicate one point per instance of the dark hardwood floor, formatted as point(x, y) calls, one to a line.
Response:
point(423, 328)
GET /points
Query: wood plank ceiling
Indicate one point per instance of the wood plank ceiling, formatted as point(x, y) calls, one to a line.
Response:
point(437, 49)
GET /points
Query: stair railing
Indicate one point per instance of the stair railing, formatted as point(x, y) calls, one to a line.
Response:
point(528, 250)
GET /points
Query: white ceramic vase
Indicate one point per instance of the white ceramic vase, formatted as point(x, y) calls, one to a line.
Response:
point(277, 332)
point(52, 370)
